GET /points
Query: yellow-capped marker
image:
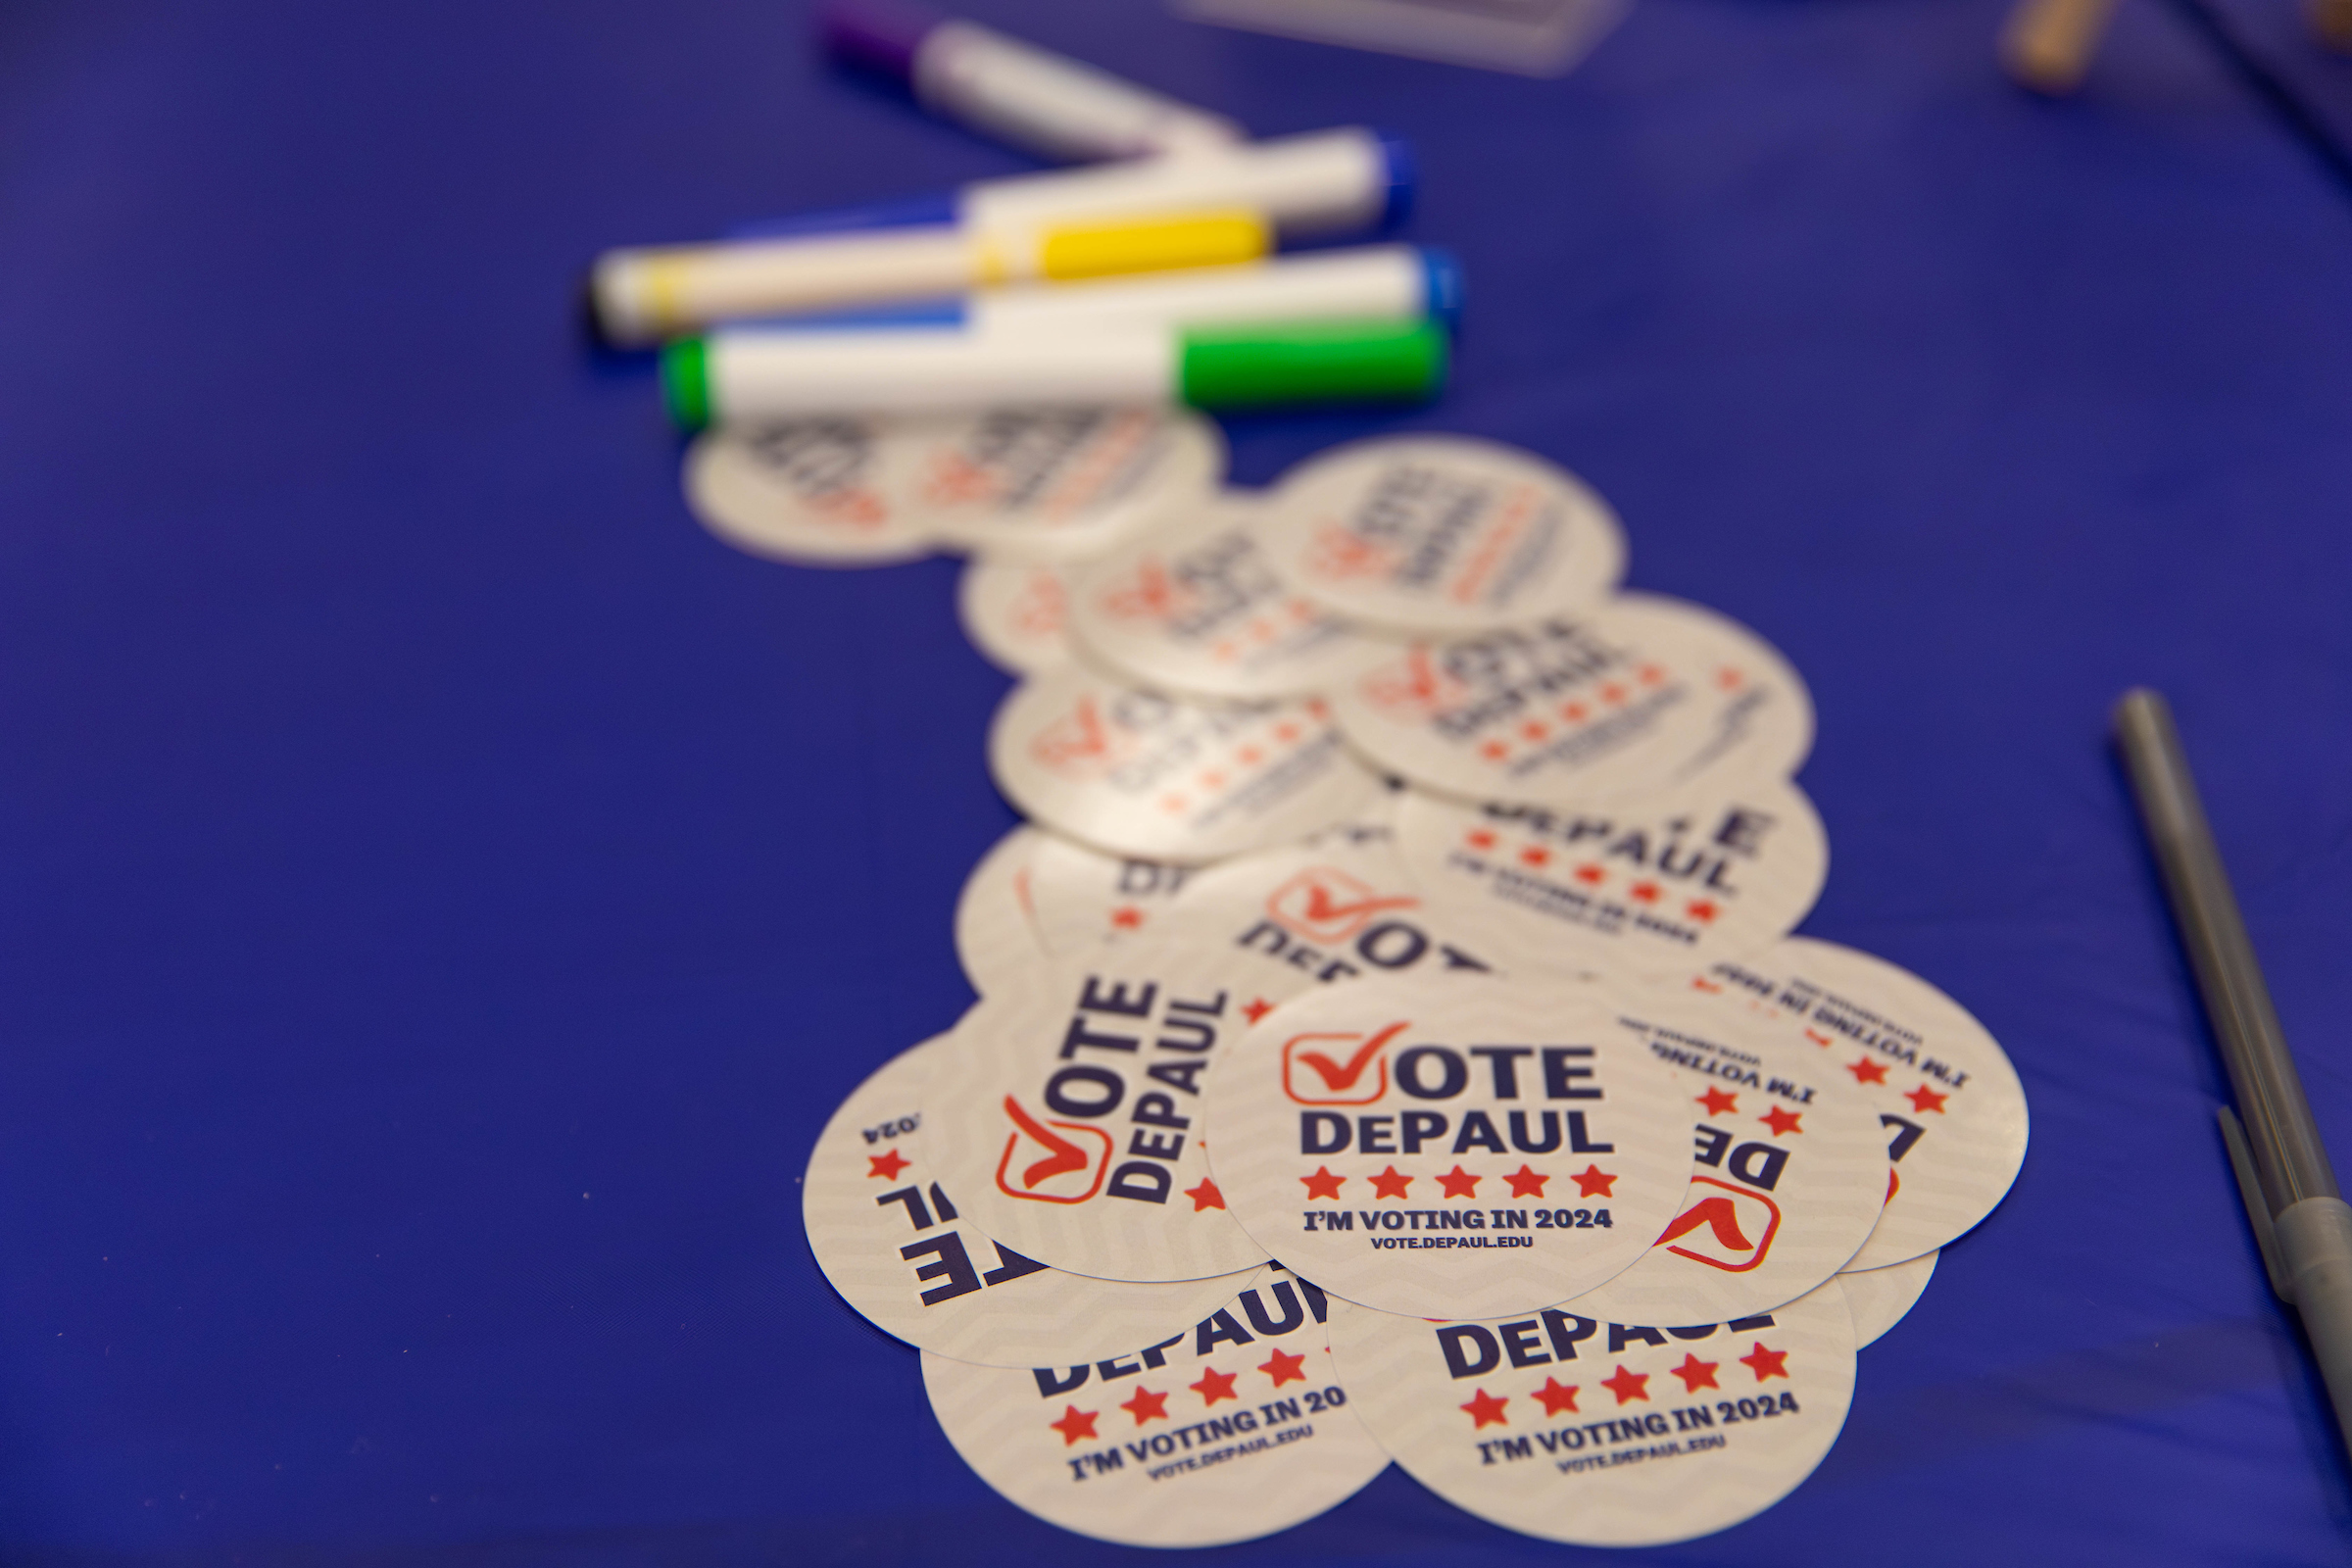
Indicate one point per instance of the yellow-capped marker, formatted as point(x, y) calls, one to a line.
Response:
point(1215, 208)
point(1200, 239)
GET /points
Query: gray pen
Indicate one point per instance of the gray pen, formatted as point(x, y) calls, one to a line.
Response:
point(2300, 1218)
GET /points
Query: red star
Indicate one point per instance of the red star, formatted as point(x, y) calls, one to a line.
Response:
point(1612, 693)
point(1387, 1184)
point(1214, 1385)
point(1699, 910)
point(1628, 1386)
point(1288, 1366)
point(1594, 1182)
point(1256, 1008)
point(1574, 712)
point(1695, 1374)
point(1525, 1183)
point(1766, 1363)
point(1642, 893)
point(1075, 1424)
point(1494, 750)
point(1867, 1071)
point(1780, 1121)
point(1127, 918)
point(1924, 1098)
point(1555, 1399)
point(1590, 875)
point(1146, 1405)
point(1535, 855)
point(1205, 1195)
point(886, 1165)
point(1727, 679)
point(1534, 730)
point(1323, 1184)
point(1718, 1101)
point(1480, 839)
point(1650, 674)
point(1459, 1183)
point(1486, 1410)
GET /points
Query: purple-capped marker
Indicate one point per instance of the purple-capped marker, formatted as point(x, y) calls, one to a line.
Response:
point(1038, 101)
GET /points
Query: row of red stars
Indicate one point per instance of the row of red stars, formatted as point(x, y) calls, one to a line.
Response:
point(1611, 695)
point(1486, 1410)
point(1285, 733)
point(1262, 632)
point(1591, 1182)
point(1285, 1367)
point(1923, 1099)
point(1866, 1071)
point(1537, 855)
point(1721, 1103)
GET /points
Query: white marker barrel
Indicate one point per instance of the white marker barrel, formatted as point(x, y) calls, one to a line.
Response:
point(1394, 282)
point(643, 295)
point(780, 375)
point(1323, 184)
point(1050, 104)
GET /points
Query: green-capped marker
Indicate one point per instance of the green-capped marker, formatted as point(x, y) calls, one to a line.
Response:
point(1312, 361)
point(686, 382)
point(752, 374)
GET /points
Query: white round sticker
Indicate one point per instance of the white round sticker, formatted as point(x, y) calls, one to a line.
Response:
point(1441, 534)
point(1015, 613)
point(1135, 772)
point(1882, 1298)
point(1451, 1148)
point(1333, 908)
point(1644, 694)
point(816, 493)
point(1653, 888)
point(996, 937)
point(1789, 1178)
point(1081, 897)
point(1950, 1101)
point(1604, 1434)
point(896, 1246)
point(1059, 484)
point(1070, 1110)
point(1195, 608)
point(1222, 1429)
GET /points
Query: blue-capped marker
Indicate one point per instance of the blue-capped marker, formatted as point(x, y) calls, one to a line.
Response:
point(1189, 211)
point(1375, 282)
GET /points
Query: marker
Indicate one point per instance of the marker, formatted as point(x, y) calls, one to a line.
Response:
point(1325, 185)
point(1016, 92)
point(646, 295)
point(1376, 282)
point(746, 377)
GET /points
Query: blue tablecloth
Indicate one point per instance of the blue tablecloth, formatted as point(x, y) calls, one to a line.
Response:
point(443, 891)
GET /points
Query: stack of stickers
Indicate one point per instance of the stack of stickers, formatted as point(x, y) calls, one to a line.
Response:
point(1391, 1044)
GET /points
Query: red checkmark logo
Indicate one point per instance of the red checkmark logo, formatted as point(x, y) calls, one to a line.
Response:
point(1328, 1069)
point(1324, 905)
point(1053, 1169)
point(1080, 744)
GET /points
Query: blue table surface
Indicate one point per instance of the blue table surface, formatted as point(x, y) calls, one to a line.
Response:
point(443, 891)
